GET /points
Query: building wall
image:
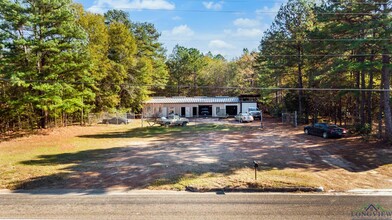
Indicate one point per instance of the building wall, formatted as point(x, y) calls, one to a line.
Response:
point(151, 110)
point(246, 105)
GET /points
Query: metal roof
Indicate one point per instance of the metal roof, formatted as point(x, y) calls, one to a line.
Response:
point(199, 99)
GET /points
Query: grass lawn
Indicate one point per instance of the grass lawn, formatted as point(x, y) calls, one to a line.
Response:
point(19, 158)
point(241, 178)
point(202, 155)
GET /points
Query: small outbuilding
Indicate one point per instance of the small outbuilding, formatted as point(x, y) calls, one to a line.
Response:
point(199, 106)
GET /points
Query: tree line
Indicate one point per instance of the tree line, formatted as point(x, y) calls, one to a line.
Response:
point(59, 61)
point(333, 44)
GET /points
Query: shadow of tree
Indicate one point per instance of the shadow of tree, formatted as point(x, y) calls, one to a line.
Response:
point(176, 152)
point(159, 131)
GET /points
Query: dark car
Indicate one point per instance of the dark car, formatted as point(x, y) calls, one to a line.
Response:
point(204, 112)
point(325, 130)
point(115, 120)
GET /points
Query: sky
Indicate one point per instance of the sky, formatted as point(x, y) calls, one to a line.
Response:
point(221, 27)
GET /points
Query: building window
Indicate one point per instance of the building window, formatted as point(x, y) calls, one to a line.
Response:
point(172, 110)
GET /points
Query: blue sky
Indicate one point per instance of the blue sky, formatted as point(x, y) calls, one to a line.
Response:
point(224, 27)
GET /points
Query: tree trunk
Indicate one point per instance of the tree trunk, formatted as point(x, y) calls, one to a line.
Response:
point(178, 87)
point(363, 96)
point(380, 111)
point(386, 79)
point(340, 111)
point(357, 98)
point(386, 94)
point(300, 84)
point(194, 84)
point(369, 99)
point(43, 119)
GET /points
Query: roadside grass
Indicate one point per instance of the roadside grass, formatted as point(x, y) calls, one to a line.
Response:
point(386, 170)
point(239, 179)
point(21, 158)
point(17, 156)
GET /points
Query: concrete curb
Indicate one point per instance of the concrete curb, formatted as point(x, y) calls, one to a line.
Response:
point(387, 192)
point(265, 189)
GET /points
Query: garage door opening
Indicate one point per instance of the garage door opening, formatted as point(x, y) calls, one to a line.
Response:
point(205, 110)
point(231, 110)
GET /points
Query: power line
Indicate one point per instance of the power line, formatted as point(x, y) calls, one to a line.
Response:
point(287, 40)
point(234, 11)
point(333, 39)
point(210, 87)
point(267, 1)
point(324, 55)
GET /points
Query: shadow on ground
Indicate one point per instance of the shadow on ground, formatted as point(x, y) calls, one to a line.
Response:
point(176, 152)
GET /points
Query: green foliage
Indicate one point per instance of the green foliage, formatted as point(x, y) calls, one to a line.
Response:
point(61, 60)
point(332, 44)
point(185, 65)
point(363, 129)
point(44, 54)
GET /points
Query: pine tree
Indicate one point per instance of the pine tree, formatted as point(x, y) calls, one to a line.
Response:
point(45, 58)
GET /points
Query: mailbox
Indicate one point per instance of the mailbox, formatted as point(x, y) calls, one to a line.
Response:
point(255, 165)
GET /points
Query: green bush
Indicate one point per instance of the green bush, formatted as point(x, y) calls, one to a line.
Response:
point(365, 129)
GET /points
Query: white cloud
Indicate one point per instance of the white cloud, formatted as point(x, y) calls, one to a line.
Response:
point(101, 6)
point(182, 30)
point(270, 11)
point(176, 18)
point(248, 32)
point(220, 44)
point(213, 5)
point(246, 22)
point(227, 31)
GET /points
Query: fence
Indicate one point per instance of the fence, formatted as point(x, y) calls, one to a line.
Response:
point(290, 118)
point(96, 118)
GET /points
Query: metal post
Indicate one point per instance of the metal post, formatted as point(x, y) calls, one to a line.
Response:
point(261, 119)
point(141, 117)
point(255, 173)
point(295, 119)
point(255, 164)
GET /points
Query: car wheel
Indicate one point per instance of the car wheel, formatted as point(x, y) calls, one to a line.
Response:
point(183, 124)
point(307, 131)
point(241, 121)
point(325, 135)
point(167, 125)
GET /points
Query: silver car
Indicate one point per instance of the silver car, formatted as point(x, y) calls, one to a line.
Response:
point(243, 117)
point(116, 121)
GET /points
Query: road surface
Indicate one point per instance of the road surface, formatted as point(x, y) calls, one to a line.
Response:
point(185, 205)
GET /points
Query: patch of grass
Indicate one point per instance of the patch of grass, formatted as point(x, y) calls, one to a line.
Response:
point(159, 131)
point(386, 170)
point(242, 178)
point(30, 157)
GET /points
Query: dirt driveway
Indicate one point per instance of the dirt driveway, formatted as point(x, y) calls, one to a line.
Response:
point(144, 160)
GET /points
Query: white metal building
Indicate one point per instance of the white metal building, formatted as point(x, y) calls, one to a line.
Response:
point(196, 106)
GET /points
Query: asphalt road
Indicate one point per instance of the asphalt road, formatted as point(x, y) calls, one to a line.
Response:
point(186, 206)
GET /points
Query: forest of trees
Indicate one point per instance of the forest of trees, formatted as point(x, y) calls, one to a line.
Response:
point(344, 46)
point(325, 59)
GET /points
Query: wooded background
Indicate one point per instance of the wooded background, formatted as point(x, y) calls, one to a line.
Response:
point(326, 59)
